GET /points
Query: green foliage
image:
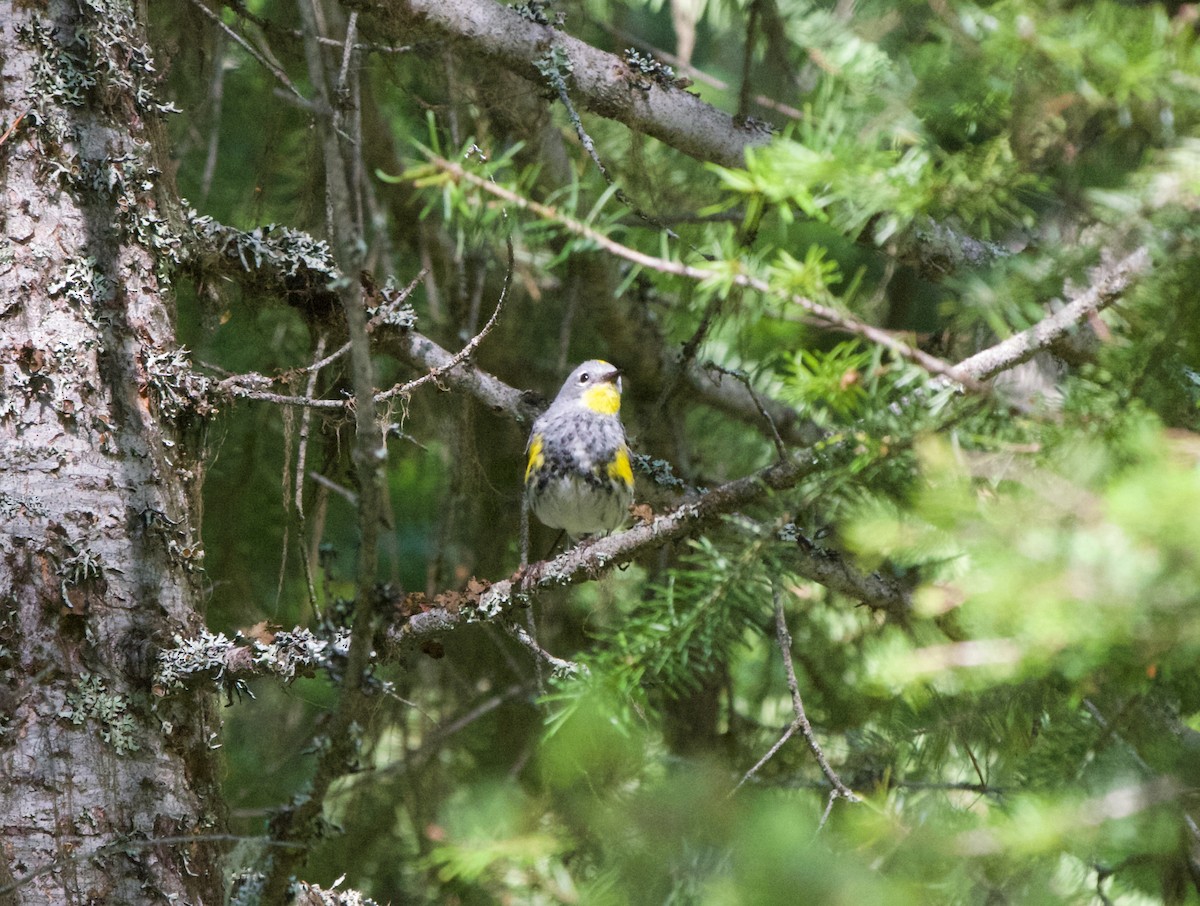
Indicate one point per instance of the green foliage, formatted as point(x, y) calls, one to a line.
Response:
point(830, 380)
point(693, 622)
point(825, 173)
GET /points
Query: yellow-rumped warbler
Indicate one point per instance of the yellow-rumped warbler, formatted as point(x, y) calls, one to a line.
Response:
point(577, 473)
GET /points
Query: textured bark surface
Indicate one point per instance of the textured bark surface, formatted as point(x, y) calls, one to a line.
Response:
point(99, 554)
point(599, 82)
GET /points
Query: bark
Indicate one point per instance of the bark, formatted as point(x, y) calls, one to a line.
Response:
point(599, 82)
point(108, 793)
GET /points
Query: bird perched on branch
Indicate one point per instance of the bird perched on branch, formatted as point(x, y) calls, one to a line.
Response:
point(578, 476)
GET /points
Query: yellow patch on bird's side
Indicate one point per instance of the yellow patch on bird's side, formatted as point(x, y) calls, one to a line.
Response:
point(620, 469)
point(603, 398)
point(536, 459)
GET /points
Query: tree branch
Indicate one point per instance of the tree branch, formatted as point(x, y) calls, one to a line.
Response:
point(818, 314)
point(467, 351)
point(301, 269)
point(1109, 282)
point(600, 82)
point(590, 560)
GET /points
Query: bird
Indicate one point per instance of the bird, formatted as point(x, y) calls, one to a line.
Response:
point(578, 474)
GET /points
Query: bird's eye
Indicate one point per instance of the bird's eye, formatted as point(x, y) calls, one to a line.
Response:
point(584, 378)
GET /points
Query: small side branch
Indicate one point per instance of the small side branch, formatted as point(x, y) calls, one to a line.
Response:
point(467, 351)
point(560, 666)
point(800, 721)
point(744, 379)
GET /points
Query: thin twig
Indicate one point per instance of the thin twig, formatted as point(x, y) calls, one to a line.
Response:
point(301, 471)
point(559, 665)
point(216, 94)
point(589, 146)
point(236, 385)
point(347, 54)
point(433, 740)
point(246, 46)
point(744, 379)
point(248, 386)
point(467, 351)
point(345, 493)
point(743, 106)
point(14, 124)
point(382, 314)
point(778, 744)
point(267, 25)
point(975, 765)
point(800, 721)
point(830, 800)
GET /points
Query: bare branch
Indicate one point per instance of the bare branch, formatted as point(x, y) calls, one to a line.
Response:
point(744, 379)
point(557, 664)
point(301, 473)
point(266, 64)
point(592, 559)
point(467, 351)
point(735, 399)
point(1109, 282)
point(421, 352)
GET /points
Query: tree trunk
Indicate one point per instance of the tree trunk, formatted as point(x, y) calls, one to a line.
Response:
point(108, 794)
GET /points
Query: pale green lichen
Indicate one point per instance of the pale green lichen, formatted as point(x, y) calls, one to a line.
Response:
point(91, 700)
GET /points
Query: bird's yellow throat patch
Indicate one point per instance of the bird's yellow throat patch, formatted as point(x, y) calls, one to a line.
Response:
point(603, 398)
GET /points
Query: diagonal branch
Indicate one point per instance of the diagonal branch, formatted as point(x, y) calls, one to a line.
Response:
point(590, 560)
point(467, 351)
point(600, 82)
point(1110, 281)
point(821, 315)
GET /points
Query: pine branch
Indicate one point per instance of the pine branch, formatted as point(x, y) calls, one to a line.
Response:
point(591, 560)
point(290, 263)
point(819, 315)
